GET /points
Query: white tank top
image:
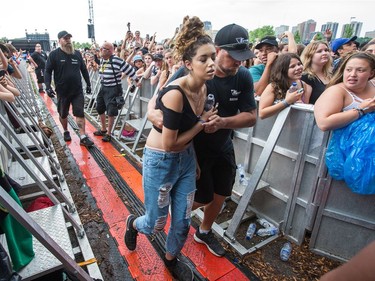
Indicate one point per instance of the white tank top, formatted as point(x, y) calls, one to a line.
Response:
point(356, 100)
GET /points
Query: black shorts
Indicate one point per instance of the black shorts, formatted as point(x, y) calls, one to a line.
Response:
point(64, 100)
point(218, 174)
point(106, 101)
point(40, 75)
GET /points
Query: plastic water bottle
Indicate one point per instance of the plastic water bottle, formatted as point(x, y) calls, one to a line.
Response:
point(269, 231)
point(241, 171)
point(293, 87)
point(250, 231)
point(265, 223)
point(286, 251)
point(210, 102)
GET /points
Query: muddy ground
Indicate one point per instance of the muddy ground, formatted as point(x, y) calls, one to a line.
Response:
point(264, 263)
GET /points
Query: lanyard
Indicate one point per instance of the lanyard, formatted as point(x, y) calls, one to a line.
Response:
point(103, 66)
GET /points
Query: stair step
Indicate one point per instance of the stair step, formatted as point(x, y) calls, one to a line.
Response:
point(18, 173)
point(26, 140)
point(52, 221)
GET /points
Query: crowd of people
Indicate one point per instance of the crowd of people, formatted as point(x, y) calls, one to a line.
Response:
point(189, 157)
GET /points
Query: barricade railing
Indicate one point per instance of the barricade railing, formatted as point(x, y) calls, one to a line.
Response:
point(26, 112)
point(134, 113)
point(282, 155)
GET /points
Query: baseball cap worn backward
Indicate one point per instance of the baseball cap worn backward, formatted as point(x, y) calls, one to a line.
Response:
point(337, 43)
point(235, 40)
point(63, 33)
point(269, 40)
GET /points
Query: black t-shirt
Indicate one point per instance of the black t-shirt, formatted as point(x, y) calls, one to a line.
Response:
point(234, 94)
point(40, 59)
point(317, 86)
point(66, 70)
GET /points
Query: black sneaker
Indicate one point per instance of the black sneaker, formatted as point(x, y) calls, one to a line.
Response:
point(67, 136)
point(107, 138)
point(211, 242)
point(179, 269)
point(130, 233)
point(86, 142)
point(100, 133)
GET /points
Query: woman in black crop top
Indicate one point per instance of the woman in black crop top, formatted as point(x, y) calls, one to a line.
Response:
point(169, 166)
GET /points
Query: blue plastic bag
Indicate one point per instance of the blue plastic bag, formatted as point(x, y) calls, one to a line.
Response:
point(351, 155)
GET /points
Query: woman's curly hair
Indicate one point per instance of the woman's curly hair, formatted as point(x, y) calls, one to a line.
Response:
point(191, 36)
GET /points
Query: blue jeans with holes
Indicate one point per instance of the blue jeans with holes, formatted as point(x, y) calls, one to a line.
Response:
point(168, 180)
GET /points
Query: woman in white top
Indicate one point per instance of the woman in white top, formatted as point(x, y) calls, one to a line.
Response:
point(349, 95)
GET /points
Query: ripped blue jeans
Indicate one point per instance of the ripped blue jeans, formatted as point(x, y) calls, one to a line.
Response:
point(168, 180)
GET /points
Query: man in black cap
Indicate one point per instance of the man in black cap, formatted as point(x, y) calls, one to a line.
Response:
point(67, 65)
point(232, 88)
point(268, 50)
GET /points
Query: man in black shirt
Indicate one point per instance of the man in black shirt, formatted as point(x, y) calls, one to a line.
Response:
point(233, 90)
point(40, 58)
point(67, 65)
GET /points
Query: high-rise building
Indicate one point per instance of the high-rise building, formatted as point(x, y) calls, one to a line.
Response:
point(370, 34)
point(306, 30)
point(295, 29)
point(280, 30)
point(355, 26)
point(333, 26)
point(208, 28)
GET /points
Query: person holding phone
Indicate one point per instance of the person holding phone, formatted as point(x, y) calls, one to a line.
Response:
point(286, 70)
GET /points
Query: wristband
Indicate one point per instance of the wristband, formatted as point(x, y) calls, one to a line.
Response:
point(360, 112)
point(285, 103)
point(201, 121)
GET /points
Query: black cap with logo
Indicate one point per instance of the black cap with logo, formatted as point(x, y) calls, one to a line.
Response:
point(235, 40)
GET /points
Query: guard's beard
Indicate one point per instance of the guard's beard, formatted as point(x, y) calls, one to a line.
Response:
point(68, 48)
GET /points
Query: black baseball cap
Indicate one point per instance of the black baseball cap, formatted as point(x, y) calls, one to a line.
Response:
point(235, 40)
point(63, 33)
point(269, 40)
point(158, 57)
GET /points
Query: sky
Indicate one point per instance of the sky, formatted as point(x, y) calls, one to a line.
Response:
point(163, 16)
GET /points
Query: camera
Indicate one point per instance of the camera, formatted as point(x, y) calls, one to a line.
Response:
point(132, 88)
point(120, 101)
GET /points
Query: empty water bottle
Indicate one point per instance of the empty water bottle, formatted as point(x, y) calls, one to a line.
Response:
point(210, 102)
point(250, 231)
point(286, 251)
point(293, 87)
point(265, 223)
point(269, 231)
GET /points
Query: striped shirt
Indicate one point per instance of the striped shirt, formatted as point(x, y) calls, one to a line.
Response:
point(119, 66)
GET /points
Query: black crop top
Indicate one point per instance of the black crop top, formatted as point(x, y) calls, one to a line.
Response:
point(181, 121)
